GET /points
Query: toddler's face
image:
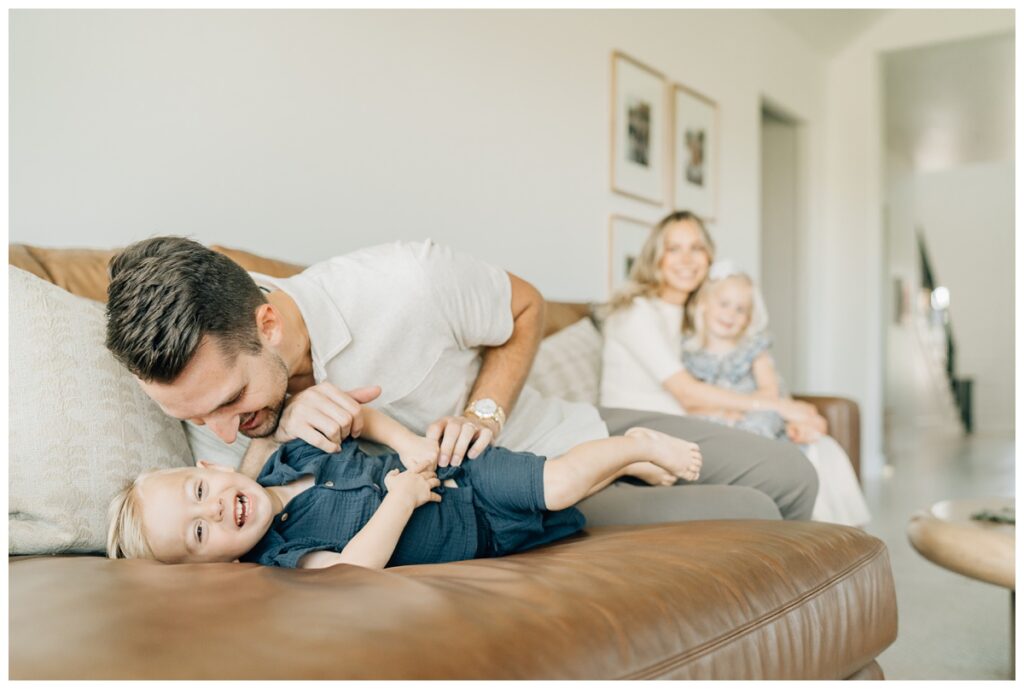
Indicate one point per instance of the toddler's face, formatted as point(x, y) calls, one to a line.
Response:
point(206, 513)
point(728, 308)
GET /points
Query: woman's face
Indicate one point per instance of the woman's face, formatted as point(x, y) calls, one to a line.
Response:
point(685, 262)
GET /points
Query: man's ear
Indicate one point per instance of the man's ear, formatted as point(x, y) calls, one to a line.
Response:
point(269, 324)
point(203, 464)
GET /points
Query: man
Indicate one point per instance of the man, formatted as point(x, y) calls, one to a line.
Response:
point(436, 339)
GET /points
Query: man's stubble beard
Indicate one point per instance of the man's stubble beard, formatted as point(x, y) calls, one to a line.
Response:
point(269, 426)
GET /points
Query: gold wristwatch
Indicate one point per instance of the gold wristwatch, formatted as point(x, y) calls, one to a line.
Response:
point(487, 409)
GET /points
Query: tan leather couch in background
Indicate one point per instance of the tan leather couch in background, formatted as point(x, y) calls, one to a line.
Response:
point(698, 600)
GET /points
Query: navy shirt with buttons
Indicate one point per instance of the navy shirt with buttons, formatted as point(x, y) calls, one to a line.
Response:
point(497, 509)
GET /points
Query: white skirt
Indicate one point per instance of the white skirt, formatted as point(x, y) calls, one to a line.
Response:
point(840, 500)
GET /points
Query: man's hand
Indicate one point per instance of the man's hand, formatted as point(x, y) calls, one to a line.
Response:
point(414, 486)
point(323, 415)
point(419, 454)
point(456, 434)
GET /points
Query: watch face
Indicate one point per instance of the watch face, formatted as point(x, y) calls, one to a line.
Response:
point(485, 407)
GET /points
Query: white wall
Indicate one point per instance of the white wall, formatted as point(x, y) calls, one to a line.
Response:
point(846, 257)
point(302, 134)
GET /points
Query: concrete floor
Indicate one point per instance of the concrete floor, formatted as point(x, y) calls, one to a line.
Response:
point(950, 626)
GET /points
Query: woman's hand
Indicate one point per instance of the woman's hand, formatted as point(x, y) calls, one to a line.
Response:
point(795, 410)
point(413, 486)
point(418, 453)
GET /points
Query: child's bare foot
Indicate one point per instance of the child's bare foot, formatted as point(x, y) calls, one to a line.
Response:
point(681, 458)
point(650, 473)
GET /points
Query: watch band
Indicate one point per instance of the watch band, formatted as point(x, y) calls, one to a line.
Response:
point(497, 415)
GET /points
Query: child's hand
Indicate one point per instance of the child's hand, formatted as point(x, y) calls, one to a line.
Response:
point(419, 453)
point(414, 486)
point(802, 433)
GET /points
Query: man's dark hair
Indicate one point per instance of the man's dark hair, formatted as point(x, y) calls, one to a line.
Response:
point(165, 294)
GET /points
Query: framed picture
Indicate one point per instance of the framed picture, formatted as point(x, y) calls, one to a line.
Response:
point(638, 130)
point(694, 153)
point(626, 236)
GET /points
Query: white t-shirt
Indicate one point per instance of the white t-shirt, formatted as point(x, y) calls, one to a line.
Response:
point(642, 349)
point(412, 318)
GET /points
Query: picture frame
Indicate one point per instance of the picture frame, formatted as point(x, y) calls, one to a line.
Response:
point(694, 152)
point(626, 236)
point(639, 126)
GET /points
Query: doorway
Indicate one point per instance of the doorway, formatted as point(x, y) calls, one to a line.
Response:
point(781, 239)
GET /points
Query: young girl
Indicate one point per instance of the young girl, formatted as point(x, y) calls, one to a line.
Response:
point(730, 350)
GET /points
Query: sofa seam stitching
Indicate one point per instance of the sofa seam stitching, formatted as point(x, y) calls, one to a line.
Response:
point(687, 656)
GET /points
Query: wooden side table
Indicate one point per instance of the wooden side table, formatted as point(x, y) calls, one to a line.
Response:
point(983, 550)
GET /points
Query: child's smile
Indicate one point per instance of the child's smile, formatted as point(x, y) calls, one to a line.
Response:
point(206, 513)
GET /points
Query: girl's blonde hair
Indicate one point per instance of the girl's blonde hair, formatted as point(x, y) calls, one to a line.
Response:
point(645, 276)
point(125, 539)
point(717, 276)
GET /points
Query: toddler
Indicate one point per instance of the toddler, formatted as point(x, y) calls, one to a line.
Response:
point(730, 349)
point(312, 509)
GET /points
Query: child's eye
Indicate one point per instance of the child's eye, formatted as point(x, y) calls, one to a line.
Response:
point(199, 490)
point(199, 533)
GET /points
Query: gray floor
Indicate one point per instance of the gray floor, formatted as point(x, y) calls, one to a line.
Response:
point(950, 627)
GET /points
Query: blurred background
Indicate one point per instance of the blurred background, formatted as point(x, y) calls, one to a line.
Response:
point(866, 177)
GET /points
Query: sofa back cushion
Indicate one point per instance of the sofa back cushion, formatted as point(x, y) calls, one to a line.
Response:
point(80, 426)
point(568, 363)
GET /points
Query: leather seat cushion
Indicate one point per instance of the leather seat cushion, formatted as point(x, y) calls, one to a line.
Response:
point(701, 600)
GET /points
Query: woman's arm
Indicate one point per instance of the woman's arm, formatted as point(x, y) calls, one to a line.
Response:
point(692, 393)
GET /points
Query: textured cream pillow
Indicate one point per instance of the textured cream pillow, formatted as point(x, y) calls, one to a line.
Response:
point(80, 426)
point(568, 363)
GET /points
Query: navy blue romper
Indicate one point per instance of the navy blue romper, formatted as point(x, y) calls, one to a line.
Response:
point(497, 509)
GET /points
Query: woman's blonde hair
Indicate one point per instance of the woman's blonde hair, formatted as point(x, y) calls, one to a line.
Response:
point(645, 275)
point(125, 539)
point(756, 323)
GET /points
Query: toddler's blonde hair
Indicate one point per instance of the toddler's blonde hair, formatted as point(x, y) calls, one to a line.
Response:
point(125, 538)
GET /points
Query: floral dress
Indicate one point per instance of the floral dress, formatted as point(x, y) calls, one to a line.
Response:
point(734, 371)
point(839, 499)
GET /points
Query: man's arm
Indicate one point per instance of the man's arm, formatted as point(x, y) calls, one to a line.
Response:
point(502, 375)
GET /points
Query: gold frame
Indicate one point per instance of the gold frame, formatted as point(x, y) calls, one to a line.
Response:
point(611, 243)
point(664, 195)
point(715, 154)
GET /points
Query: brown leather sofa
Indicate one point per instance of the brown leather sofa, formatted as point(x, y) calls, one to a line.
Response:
point(699, 600)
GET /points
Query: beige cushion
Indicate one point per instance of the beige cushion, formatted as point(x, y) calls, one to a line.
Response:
point(568, 364)
point(80, 426)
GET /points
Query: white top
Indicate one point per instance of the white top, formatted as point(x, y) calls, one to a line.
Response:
point(642, 349)
point(412, 318)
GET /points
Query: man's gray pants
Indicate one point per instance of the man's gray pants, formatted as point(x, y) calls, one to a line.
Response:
point(744, 476)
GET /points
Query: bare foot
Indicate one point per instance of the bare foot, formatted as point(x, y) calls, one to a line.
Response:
point(681, 458)
point(650, 473)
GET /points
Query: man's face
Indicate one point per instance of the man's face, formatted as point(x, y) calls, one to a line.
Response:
point(206, 513)
point(244, 395)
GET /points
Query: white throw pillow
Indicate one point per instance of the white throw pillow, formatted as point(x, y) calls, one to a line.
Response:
point(80, 426)
point(568, 364)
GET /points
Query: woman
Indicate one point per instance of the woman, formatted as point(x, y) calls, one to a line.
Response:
point(646, 323)
point(644, 332)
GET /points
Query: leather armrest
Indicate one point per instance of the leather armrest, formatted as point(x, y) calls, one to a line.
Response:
point(843, 416)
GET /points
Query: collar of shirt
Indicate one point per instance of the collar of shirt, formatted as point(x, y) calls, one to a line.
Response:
point(328, 332)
